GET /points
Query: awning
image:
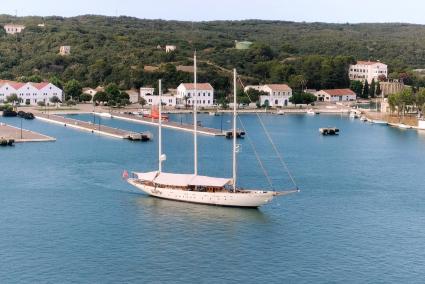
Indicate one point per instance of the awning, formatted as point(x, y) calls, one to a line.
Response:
point(209, 181)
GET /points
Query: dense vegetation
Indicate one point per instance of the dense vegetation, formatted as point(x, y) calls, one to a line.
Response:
point(115, 50)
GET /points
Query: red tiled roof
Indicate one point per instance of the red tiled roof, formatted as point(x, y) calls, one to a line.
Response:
point(18, 85)
point(199, 86)
point(40, 86)
point(279, 87)
point(339, 92)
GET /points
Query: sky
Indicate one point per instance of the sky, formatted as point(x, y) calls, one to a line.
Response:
point(332, 11)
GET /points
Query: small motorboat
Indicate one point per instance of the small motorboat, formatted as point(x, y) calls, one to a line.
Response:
point(311, 112)
point(280, 112)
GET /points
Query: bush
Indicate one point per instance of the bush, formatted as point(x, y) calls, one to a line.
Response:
point(5, 107)
point(70, 103)
point(42, 104)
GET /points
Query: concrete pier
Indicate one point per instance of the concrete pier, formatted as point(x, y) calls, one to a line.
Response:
point(11, 132)
point(166, 124)
point(90, 127)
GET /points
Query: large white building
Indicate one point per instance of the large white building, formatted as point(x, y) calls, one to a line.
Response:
point(367, 70)
point(278, 94)
point(29, 93)
point(335, 95)
point(167, 100)
point(204, 94)
point(13, 29)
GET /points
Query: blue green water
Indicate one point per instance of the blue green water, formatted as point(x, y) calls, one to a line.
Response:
point(66, 216)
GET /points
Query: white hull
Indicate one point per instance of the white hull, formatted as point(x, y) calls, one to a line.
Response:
point(376, 121)
point(251, 199)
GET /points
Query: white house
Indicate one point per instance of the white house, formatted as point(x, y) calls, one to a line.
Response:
point(170, 48)
point(278, 94)
point(89, 91)
point(65, 50)
point(29, 93)
point(204, 94)
point(367, 70)
point(167, 100)
point(13, 29)
point(335, 95)
point(146, 91)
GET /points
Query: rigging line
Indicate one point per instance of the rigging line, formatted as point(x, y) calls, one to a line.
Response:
point(283, 163)
point(257, 156)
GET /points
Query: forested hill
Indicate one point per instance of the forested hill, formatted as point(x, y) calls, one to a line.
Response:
point(110, 49)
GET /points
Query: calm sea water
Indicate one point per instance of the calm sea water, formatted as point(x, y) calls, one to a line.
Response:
point(66, 215)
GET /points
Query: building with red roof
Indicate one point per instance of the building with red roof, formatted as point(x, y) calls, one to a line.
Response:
point(368, 70)
point(29, 93)
point(336, 95)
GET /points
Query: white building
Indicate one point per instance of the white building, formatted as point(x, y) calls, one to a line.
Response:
point(166, 100)
point(146, 91)
point(89, 91)
point(13, 29)
point(65, 50)
point(367, 70)
point(278, 94)
point(170, 48)
point(336, 95)
point(205, 94)
point(29, 93)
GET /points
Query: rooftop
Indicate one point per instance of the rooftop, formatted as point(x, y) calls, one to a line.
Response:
point(199, 86)
point(339, 92)
point(279, 87)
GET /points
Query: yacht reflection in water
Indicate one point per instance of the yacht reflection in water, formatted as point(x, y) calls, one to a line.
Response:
point(169, 209)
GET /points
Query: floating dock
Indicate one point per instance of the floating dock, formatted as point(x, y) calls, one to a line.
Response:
point(165, 124)
point(95, 128)
point(329, 131)
point(8, 132)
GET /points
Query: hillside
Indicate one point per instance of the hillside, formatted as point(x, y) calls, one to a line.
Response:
point(109, 49)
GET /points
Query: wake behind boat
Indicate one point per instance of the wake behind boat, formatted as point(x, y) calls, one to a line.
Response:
point(195, 188)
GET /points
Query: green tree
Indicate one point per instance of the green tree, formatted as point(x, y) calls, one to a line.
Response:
point(85, 97)
point(56, 81)
point(13, 99)
point(365, 93)
point(101, 97)
point(357, 87)
point(378, 91)
point(372, 89)
point(142, 102)
point(73, 90)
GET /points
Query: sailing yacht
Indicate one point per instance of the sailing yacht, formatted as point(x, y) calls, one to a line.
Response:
point(195, 188)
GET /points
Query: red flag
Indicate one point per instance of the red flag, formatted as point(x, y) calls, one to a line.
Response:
point(125, 175)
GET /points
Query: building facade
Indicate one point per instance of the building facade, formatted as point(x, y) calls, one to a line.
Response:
point(278, 94)
point(367, 70)
point(336, 95)
point(29, 93)
point(13, 29)
point(167, 100)
point(65, 50)
point(170, 48)
point(204, 94)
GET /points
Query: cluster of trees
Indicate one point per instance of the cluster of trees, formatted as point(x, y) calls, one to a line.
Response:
point(112, 96)
point(116, 50)
point(364, 90)
point(407, 100)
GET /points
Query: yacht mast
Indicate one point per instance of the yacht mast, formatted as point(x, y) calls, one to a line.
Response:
point(160, 158)
point(234, 129)
point(195, 119)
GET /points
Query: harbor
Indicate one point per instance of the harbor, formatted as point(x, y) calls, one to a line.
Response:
point(94, 128)
point(166, 124)
point(131, 224)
